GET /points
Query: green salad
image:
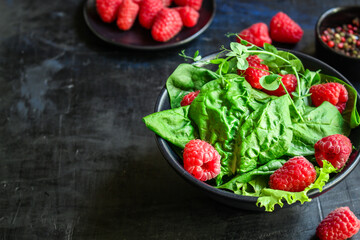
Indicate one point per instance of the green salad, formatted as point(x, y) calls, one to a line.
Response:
point(254, 133)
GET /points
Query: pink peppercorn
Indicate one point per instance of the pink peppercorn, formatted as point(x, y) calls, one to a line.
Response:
point(324, 38)
point(331, 44)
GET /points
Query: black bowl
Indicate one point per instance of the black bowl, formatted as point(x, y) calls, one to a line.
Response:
point(331, 19)
point(246, 202)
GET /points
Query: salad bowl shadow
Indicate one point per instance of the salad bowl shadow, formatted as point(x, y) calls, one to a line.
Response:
point(170, 152)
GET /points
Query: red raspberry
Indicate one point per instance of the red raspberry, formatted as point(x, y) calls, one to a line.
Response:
point(284, 29)
point(294, 176)
point(108, 9)
point(196, 4)
point(257, 34)
point(188, 98)
point(166, 25)
point(336, 149)
point(167, 3)
point(148, 11)
point(201, 160)
point(138, 2)
point(290, 83)
point(189, 16)
point(340, 224)
point(334, 93)
point(253, 73)
point(128, 11)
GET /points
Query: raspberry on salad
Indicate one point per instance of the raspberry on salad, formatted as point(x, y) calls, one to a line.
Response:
point(257, 34)
point(336, 149)
point(294, 176)
point(340, 224)
point(255, 71)
point(334, 93)
point(108, 9)
point(290, 83)
point(201, 160)
point(285, 30)
point(188, 98)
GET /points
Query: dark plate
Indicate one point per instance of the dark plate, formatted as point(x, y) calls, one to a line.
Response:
point(246, 202)
point(140, 38)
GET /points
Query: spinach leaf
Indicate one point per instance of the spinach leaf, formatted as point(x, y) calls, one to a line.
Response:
point(265, 135)
point(185, 79)
point(318, 122)
point(253, 187)
point(217, 112)
point(173, 125)
point(238, 183)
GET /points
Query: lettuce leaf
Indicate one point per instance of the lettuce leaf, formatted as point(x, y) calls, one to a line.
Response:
point(271, 197)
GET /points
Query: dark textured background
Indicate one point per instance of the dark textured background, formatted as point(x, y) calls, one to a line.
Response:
point(76, 161)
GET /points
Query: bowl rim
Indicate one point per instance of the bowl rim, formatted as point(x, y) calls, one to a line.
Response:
point(173, 159)
point(322, 17)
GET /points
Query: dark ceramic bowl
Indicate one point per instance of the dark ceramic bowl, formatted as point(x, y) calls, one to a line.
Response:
point(331, 19)
point(245, 202)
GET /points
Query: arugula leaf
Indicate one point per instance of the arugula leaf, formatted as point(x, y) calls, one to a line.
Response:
point(270, 197)
point(173, 125)
point(185, 79)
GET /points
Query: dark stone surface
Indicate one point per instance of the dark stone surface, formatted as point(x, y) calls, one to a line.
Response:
point(76, 160)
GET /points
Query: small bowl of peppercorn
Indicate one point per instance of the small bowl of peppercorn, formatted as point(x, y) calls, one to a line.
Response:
point(337, 34)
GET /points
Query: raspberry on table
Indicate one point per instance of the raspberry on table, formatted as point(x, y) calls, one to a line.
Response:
point(257, 34)
point(290, 83)
point(201, 160)
point(255, 71)
point(294, 176)
point(148, 11)
point(189, 15)
point(108, 9)
point(196, 4)
point(167, 24)
point(128, 12)
point(340, 224)
point(336, 149)
point(334, 93)
point(285, 30)
point(188, 98)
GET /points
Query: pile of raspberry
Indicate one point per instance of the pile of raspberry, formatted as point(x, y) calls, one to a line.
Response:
point(163, 21)
point(283, 29)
